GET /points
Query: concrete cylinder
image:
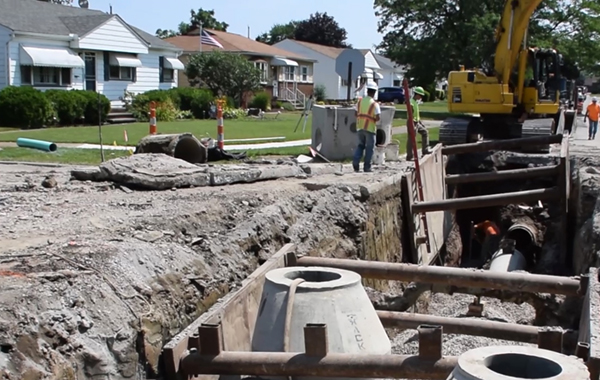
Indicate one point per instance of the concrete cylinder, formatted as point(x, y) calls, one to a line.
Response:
point(507, 261)
point(379, 155)
point(331, 296)
point(517, 363)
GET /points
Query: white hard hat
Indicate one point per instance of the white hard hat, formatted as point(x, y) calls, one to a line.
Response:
point(372, 86)
point(594, 99)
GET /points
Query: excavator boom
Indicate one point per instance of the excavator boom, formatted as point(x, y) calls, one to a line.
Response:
point(511, 34)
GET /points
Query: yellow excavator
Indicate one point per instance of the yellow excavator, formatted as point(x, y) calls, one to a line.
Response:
point(518, 97)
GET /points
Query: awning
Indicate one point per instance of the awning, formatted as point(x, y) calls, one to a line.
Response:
point(49, 57)
point(173, 63)
point(122, 60)
point(378, 76)
point(283, 62)
point(371, 74)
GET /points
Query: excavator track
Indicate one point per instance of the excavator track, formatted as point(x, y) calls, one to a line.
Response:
point(458, 130)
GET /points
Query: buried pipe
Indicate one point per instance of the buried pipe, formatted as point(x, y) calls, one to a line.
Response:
point(463, 277)
point(46, 146)
point(507, 258)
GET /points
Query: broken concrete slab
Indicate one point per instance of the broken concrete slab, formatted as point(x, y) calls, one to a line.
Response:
point(162, 172)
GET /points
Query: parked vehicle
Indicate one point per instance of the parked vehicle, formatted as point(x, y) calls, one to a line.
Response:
point(390, 94)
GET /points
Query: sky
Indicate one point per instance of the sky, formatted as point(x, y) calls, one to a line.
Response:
point(356, 16)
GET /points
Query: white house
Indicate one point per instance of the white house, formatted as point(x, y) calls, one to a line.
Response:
point(50, 46)
point(324, 68)
point(392, 73)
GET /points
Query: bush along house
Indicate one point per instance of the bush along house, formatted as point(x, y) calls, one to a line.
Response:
point(52, 46)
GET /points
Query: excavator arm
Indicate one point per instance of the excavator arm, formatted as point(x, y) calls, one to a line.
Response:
point(511, 35)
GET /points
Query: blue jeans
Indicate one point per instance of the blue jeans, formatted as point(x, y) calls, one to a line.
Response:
point(593, 128)
point(366, 145)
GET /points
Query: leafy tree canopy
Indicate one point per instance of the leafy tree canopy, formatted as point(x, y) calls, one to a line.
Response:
point(203, 17)
point(434, 37)
point(223, 73)
point(319, 28)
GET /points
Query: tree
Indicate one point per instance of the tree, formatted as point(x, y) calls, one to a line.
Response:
point(322, 29)
point(223, 73)
point(434, 37)
point(202, 16)
point(278, 32)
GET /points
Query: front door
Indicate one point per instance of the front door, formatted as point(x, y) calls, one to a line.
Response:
point(90, 71)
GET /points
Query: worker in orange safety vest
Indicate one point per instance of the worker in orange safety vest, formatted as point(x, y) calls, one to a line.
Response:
point(367, 115)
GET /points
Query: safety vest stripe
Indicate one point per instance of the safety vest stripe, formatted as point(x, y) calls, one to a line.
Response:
point(369, 117)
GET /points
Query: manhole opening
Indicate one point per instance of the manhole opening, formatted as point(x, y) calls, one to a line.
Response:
point(523, 366)
point(313, 276)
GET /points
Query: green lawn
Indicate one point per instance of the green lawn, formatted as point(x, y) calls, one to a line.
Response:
point(437, 106)
point(61, 156)
point(434, 135)
point(234, 129)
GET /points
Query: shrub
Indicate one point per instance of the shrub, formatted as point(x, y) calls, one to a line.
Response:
point(319, 93)
point(429, 93)
point(24, 107)
point(182, 97)
point(166, 110)
point(69, 106)
point(288, 106)
point(200, 103)
point(261, 100)
point(90, 112)
point(233, 113)
point(279, 104)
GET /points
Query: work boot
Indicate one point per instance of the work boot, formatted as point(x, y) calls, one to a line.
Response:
point(425, 146)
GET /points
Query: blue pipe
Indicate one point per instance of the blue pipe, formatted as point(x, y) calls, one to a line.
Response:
point(46, 146)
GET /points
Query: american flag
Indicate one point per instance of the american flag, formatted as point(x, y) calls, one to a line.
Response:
point(207, 39)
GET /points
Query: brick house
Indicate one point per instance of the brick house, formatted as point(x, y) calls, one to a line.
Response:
point(286, 76)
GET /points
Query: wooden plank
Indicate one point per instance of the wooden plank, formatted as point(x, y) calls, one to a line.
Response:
point(409, 217)
point(177, 347)
point(564, 185)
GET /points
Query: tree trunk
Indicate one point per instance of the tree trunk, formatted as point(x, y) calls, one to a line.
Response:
point(183, 146)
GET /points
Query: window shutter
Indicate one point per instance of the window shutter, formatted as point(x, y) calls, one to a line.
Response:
point(106, 66)
point(134, 74)
point(161, 65)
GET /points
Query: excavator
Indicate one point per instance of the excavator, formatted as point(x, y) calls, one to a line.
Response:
point(518, 97)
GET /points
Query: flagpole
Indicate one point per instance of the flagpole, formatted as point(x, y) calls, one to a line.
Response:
point(200, 35)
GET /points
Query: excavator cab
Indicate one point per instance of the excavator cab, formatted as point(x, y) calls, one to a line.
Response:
point(541, 93)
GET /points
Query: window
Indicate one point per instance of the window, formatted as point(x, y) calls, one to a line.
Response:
point(290, 73)
point(166, 74)
point(396, 83)
point(344, 83)
point(262, 66)
point(121, 73)
point(45, 76)
point(304, 74)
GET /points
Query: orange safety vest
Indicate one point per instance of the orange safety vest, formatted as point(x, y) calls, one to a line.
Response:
point(366, 114)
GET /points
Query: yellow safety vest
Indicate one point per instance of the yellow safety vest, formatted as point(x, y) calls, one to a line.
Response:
point(415, 109)
point(366, 114)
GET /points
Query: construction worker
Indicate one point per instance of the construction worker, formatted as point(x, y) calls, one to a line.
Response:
point(367, 115)
point(419, 93)
point(592, 112)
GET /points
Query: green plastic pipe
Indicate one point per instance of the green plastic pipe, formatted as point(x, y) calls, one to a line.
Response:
point(46, 146)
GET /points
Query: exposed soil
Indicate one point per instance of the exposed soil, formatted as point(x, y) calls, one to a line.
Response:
point(97, 278)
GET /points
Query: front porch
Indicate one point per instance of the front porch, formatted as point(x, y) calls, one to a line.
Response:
point(287, 79)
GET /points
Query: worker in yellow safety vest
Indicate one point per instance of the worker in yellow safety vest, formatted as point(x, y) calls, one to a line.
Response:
point(367, 115)
point(419, 93)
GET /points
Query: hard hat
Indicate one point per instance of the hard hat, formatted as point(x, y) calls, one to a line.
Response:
point(594, 99)
point(419, 90)
point(372, 86)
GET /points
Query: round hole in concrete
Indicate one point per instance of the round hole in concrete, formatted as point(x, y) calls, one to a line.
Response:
point(523, 366)
point(189, 150)
point(353, 127)
point(380, 137)
point(522, 235)
point(313, 276)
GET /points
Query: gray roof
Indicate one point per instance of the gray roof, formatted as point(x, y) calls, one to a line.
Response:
point(34, 16)
point(386, 63)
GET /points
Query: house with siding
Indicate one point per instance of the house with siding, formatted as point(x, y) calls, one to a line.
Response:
point(336, 87)
point(51, 46)
point(392, 73)
point(285, 75)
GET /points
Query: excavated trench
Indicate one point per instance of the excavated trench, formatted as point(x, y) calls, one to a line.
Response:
point(535, 228)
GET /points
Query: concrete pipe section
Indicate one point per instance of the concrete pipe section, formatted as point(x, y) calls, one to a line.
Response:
point(507, 259)
point(295, 296)
point(517, 363)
